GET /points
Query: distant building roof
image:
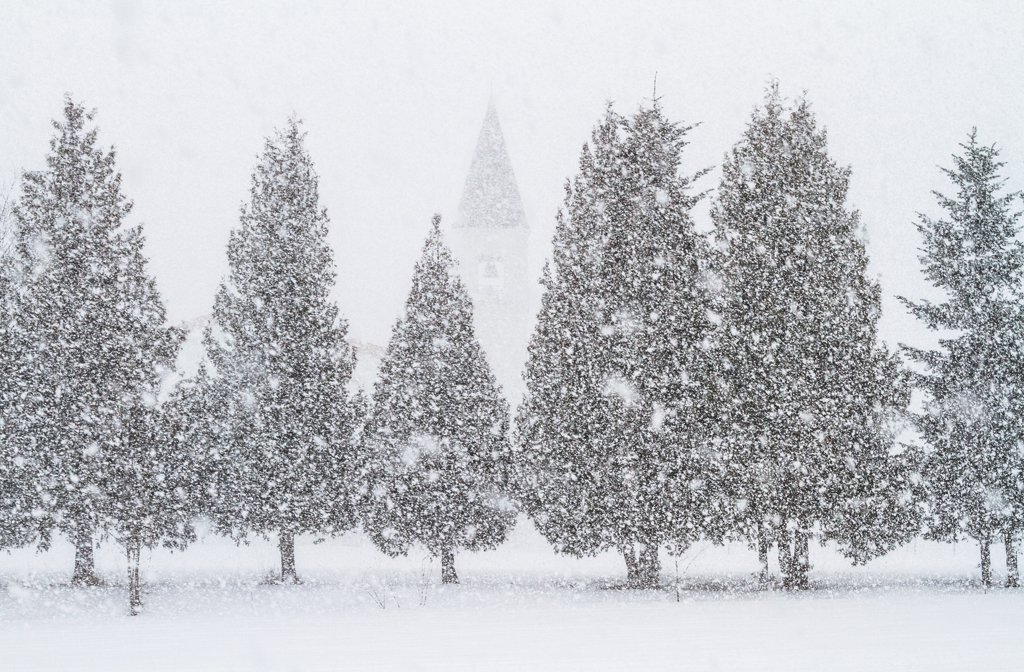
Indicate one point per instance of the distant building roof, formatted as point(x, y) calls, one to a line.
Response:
point(491, 197)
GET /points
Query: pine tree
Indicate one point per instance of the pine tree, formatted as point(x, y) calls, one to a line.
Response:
point(616, 431)
point(93, 342)
point(972, 420)
point(283, 457)
point(813, 395)
point(436, 441)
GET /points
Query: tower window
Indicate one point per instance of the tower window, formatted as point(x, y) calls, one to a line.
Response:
point(490, 276)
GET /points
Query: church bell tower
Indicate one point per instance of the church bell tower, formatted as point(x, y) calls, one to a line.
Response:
point(490, 240)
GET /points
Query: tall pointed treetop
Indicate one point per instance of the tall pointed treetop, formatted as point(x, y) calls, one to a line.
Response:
point(491, 197)
point(281, 457)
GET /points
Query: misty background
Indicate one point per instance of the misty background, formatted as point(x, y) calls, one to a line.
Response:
point(393, 95)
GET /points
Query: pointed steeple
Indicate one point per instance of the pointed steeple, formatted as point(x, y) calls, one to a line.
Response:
point(491, 197)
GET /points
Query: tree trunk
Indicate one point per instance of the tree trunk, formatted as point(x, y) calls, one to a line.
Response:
point(650, 566)
point(85, 565)
point(801, 559)
point(286, 541)
point(986, 562)
point(643, 568)
point(632, 575)
point(794, 559)
point(764, 578)
point(448, 574)
point(1012, 575)
point(134, 551)
point(785, 557)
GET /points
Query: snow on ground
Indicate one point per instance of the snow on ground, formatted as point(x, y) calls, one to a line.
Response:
point(518, 608)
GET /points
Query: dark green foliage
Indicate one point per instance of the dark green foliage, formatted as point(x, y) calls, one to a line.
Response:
point(92, 351)
point(616, 431)
point(436, 441)
point(279, 441)
point(813, 395)
point(973, 418)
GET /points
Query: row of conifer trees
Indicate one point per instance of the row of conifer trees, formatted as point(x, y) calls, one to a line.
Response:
point(681, 385)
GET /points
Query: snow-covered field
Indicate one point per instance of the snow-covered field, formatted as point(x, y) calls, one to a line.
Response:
point(520, 607)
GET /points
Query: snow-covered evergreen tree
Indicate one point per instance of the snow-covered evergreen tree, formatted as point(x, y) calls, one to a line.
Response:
point(973, 419)
point(282, 462)
point(436, 441)
point(616, 433)
point(93, 344)
point(813, 394)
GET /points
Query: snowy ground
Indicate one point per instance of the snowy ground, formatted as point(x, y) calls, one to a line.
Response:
point(520, 607)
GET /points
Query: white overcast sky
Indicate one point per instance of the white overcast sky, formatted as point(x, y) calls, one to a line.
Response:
point(393, 95)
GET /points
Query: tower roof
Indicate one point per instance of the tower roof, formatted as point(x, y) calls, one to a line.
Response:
point(491, 197)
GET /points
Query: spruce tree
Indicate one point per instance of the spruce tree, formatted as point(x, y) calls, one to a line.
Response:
point(972, 419)
point(91, 325)
point(813, 395)
point(616, 432)
point(283, 458)
point(436, 440)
